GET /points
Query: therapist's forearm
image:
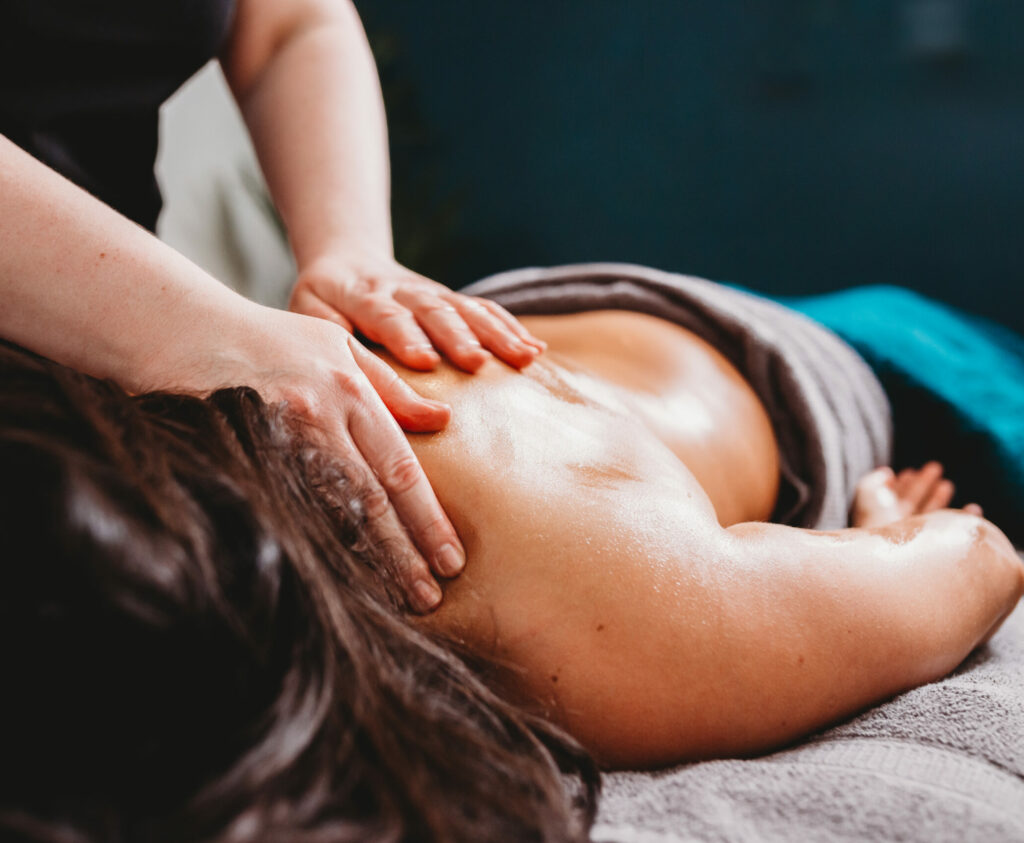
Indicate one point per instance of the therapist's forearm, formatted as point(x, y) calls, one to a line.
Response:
point(83, 285)
point(317, 119)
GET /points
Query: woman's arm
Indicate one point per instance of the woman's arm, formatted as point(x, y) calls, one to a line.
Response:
point(304, 76)
point(655, 636)
point(306, 80)
point(82, 285)
point(785, 631)
point(831, 623)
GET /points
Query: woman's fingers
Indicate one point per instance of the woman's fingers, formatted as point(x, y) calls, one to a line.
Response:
point(511, 322)
point(940, 497)
point(445, 327)
point(466, 328)
point(341, 391)
point(913, 491)
point(412, 325)
point(495, 334)
point(305, 301)
point(874, 480)
point(415, 318)
point(874, 489)
point(921, 484)
point(383, 522)
point(411, 410)
point(390, 324)
point(406, 489)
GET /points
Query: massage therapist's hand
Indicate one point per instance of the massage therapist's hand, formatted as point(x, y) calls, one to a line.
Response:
point(412, 316)
point(358, 407)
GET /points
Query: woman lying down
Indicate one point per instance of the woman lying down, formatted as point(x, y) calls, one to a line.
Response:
point(200, 640)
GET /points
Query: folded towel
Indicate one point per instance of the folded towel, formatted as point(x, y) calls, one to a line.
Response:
point(830, 414)
point(955, 383)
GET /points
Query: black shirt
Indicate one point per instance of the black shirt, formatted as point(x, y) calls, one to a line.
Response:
point(82, 81)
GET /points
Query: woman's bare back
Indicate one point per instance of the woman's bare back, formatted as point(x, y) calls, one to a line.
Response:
point(684, 392)
point(592, 492)
point(615, 390)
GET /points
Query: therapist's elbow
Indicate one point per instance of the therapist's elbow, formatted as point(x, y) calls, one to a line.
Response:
point(264, 29)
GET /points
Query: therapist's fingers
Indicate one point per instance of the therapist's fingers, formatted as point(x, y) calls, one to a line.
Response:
point(513, 324)
point(403, 487)
point(387, 452)
point(411, 410)
point(391, 324)
point(307, 302)
point(349, 417)
point(414, 578)
point(494, 334)
point(445, 327)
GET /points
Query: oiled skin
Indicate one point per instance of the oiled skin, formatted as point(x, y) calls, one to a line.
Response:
point(609, 498)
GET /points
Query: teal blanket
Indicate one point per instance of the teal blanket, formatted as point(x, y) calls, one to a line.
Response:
point(956, 385)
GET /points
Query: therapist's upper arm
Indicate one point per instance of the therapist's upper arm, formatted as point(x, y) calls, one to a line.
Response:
point(261, 27)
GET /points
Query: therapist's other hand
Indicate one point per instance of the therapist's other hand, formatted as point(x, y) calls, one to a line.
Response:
point(410, 315)
point(357, 407)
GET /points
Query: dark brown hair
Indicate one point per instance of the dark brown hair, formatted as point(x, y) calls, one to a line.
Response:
point(199, 642)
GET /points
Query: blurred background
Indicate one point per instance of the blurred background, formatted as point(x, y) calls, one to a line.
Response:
point(792, 146)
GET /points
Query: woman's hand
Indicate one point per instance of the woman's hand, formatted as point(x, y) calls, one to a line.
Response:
point(356, 406)
point(883, 497)
point(410, 315)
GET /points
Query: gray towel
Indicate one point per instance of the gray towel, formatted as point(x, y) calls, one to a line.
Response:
point(830, 415)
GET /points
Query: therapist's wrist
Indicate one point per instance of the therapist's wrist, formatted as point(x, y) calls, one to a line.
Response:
point(203, 344)
point(351, 247)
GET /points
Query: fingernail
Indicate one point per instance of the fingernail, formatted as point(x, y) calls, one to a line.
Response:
point(472, 357)
point(423, 351)
point(427, 595)
point(449, 561)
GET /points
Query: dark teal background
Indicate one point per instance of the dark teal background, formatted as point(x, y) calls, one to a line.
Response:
point(791, 146)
